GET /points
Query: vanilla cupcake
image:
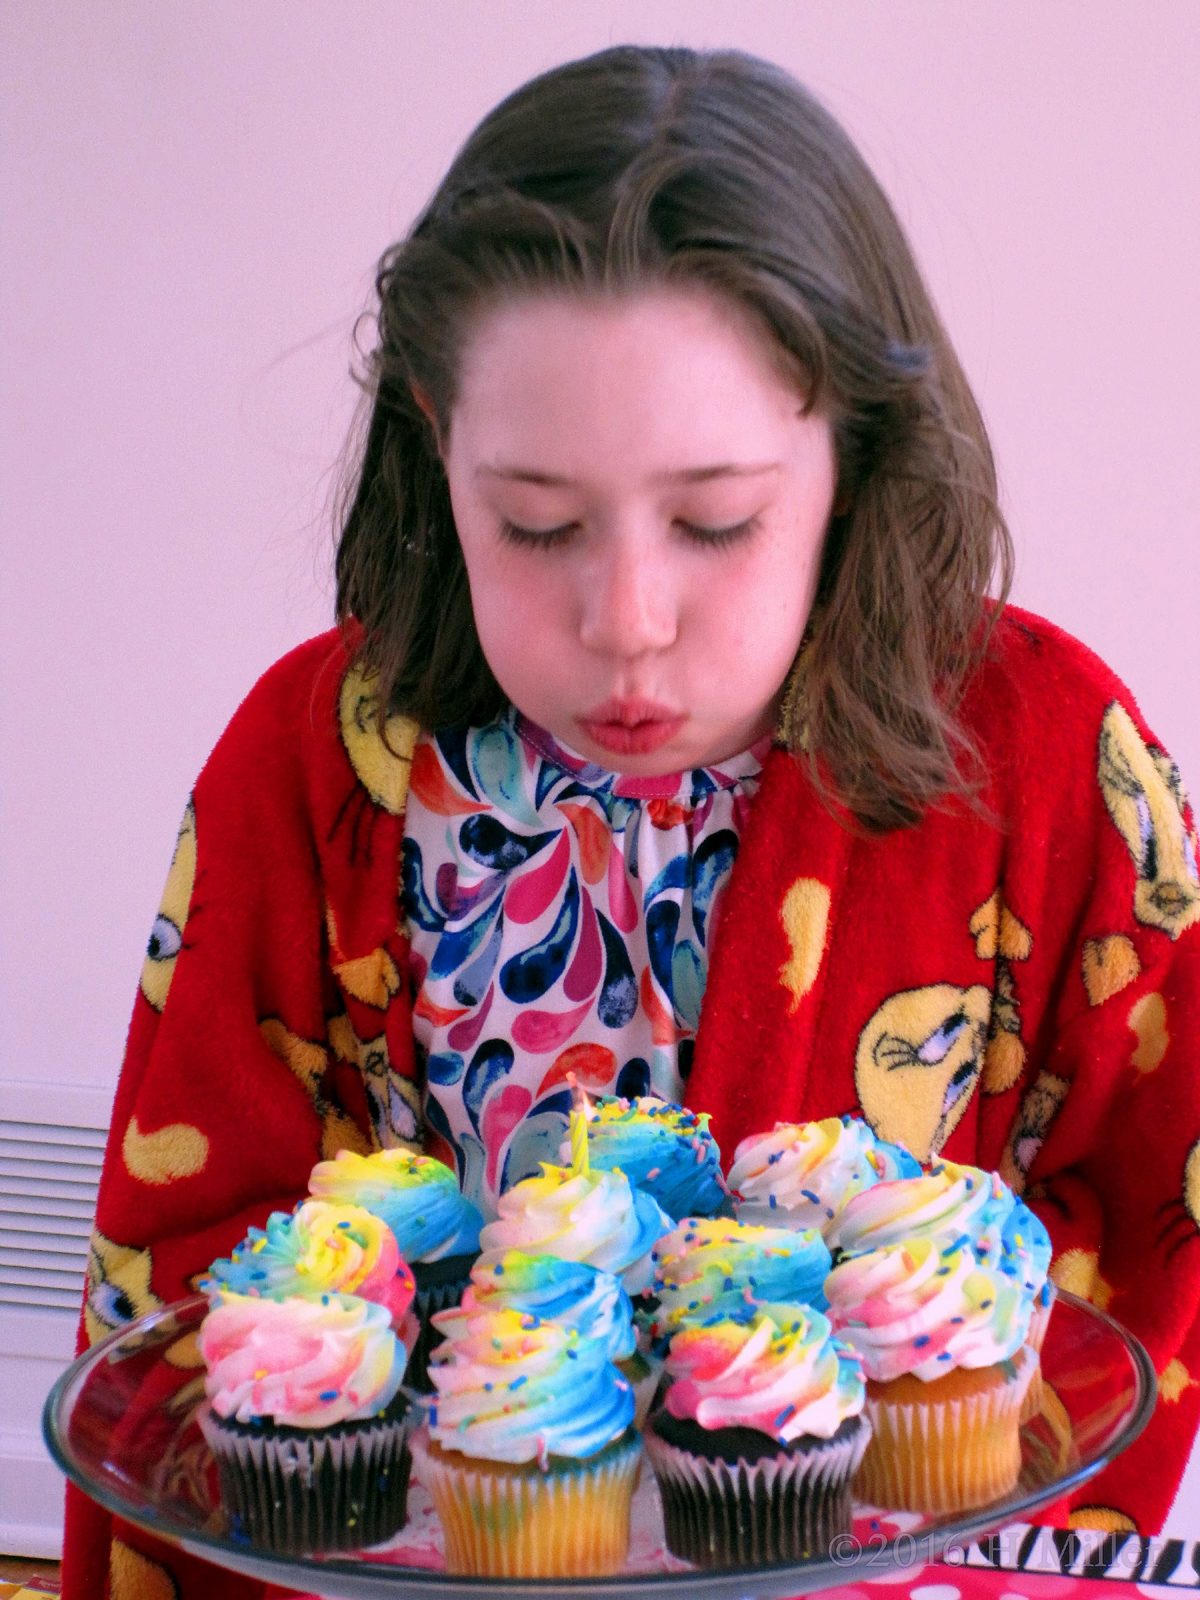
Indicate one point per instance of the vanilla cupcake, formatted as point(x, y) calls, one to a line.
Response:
point(306, 1420)
point(757, 1441)
point(579, 1298)
point(595, 1217)
point(529, 1452)
point(942, 1342)
point(715, 1267)
point(662, 1149)
point(801, 1175)
point(435, 1226)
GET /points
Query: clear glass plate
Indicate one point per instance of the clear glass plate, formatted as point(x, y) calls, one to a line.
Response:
point(122, 1422)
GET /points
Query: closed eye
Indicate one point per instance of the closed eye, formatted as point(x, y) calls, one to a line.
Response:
point(536, 538)
point(720, 538)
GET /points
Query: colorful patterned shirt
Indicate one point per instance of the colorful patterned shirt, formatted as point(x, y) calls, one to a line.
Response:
point(561, 918)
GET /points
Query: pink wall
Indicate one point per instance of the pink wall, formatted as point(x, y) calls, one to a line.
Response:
point(193, 197)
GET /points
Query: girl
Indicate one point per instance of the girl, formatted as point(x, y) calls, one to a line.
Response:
point(668, 738)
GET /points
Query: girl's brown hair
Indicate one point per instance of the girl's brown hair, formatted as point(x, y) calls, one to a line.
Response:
point(642, 165)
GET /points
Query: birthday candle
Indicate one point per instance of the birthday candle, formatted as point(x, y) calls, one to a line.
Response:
point(579, 1142)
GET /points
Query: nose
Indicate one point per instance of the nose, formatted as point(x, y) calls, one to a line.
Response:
point(628, 605)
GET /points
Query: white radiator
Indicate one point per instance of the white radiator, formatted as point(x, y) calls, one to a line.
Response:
point(48, 1177)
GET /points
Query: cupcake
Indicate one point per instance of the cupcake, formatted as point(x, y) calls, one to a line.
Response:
point(715, 1267)
point(800, 1175)
point(579, 1215)
point(319, 1248)
point(662, 1149)
point(942, 1341)
point(306, 1420)
point(436, 1228)
point(529, 1452)
point(581, 1298)
point(758, 1439)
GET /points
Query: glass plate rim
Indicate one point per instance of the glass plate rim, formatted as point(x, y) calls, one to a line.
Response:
point(939, 1535)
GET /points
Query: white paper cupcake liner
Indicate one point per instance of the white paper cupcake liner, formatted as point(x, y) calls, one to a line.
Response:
point(308, 1493)
point(783, 1508)
point(946, 1455)
point(570, 1521)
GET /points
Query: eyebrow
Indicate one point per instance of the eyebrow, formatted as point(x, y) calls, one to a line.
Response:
point(550, 480)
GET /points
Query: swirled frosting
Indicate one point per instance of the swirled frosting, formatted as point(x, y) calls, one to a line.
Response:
point(301, 1363)
point(782, 1373)
point(571, 1293)
point(596, 1217)
point(510, 1388)
point(661, 1148)
point(417, 1196)
point(710, 1269)
point(948, 1201)
point(808, 1171)
point(925, 1307)
point(319, 1248)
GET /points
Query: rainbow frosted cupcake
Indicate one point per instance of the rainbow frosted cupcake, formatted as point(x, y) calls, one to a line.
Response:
point(594, 1217)
point(529, 1453)
point(662, 1149)
point(942, 1341)
point(579, 1298)
point(801, 1175)
point(715, 1267)
point(306, 1420)
point(758, 1439)
point(436, 1228)
point(320, 1248)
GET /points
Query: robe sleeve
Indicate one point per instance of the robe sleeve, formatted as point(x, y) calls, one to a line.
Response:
point(231, 1086)
point(1108, 1135)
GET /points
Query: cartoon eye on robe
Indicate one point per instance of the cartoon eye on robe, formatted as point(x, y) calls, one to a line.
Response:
point(166, 937)
point(118, 1286)
point(918, 1061)
point(1146, 801)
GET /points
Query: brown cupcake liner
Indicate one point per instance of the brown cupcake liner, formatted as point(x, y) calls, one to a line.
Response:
point(783, 1508)
point(946, 1455)
point(517, 1521)
point(426, 1303)
point(302, 1493)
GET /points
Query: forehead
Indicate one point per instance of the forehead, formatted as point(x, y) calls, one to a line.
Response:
point(667, 376)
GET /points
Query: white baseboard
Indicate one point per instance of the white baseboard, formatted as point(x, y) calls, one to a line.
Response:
point(31, 1498)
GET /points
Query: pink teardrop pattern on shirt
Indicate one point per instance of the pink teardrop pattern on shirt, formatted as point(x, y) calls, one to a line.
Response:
point(463, 1035)
point(593, 1066)
point(595, 841)
point(501, 1115)
point(539, 1032)
point(533, 892)
point(622, 903)
point(583, 974)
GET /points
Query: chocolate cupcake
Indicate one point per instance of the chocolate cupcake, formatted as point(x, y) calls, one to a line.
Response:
point(306, 1421)
point(758, 1439)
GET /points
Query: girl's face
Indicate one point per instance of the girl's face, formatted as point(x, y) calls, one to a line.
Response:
point(641, 504)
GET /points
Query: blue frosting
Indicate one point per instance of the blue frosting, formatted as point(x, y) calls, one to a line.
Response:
point(662, 1149)
point(417, 1196)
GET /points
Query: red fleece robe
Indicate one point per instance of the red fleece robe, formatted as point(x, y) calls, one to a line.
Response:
point(1017, 986)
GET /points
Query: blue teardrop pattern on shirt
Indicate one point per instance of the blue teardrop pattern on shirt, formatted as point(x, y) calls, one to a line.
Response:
point(472, 982)
point(687, 983)
point(618, 1000)
point(495, 756)
point(458, 945)
point(713, 861)
point(452, 743)
point(633, 1080)
point(416, 902)
point(530, 973)
point(547, 776)
point(662, 924)
point(445, 1066)
point(491, 1062)
point(677, 874)
point(493, 845)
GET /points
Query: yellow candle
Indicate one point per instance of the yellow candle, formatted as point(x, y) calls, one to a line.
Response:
point(579, 1142)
